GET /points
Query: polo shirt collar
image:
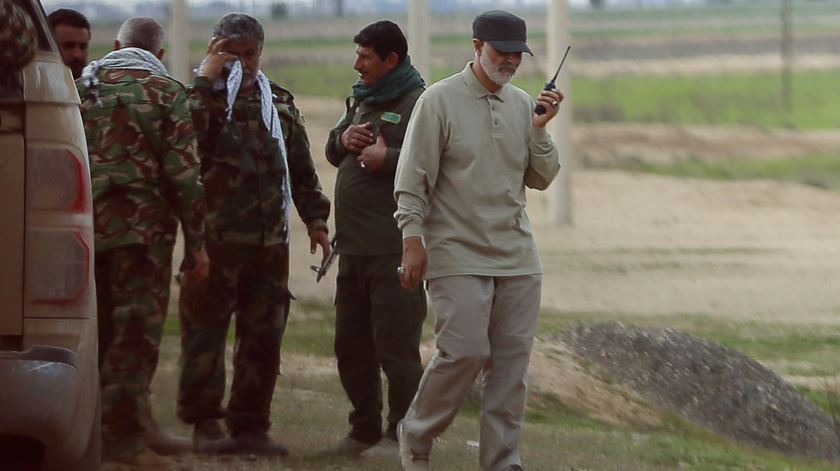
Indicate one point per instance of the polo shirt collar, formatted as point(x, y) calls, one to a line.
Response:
point(477, 89)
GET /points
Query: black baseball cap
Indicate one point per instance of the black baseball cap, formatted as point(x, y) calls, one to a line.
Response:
point(505, 31)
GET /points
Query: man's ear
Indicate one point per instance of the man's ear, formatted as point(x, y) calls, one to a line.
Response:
point(160, 53)
point(117, 44)
point(392, 61)
point(477, 45)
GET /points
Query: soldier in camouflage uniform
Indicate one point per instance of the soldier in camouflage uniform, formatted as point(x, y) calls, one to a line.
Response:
point(145, 179)
point(255, 163)
point(17, 36)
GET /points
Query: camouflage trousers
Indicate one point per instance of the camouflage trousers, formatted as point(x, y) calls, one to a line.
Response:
point(252, 282)
point(132, 294)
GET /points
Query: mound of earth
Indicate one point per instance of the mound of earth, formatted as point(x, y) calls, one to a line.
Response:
point(707, 383)
point(556, 376)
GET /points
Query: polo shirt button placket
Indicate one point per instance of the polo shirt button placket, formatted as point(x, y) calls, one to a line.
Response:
point(493, 117)
point(492, 111)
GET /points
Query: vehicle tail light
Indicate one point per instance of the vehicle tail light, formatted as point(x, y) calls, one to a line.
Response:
point(58, 265)
point(58, 234)
point(55, 180)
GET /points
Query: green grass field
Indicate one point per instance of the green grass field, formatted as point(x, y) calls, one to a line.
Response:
point(819, 170)
point(732, 99)
point(718, 100)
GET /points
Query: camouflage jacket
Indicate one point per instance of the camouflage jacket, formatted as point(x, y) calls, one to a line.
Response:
point(242, 172)
point(143, 160)
point(17, 35)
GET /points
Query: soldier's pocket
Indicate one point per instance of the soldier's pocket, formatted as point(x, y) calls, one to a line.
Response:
point(285, 301)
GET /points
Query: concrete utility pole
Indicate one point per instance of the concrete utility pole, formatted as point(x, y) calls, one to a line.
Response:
point(179, 42)
point(419, 46)
point(558, 38)
point(787, 56)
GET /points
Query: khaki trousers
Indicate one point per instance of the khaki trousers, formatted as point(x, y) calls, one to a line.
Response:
point(484, 325)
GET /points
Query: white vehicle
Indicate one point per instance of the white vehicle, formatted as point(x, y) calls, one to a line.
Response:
point(49, 376)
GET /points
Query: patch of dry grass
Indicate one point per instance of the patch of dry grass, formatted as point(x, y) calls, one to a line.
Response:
point(310, 410)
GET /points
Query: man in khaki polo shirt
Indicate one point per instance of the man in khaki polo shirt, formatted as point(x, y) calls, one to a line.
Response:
point(474, 143)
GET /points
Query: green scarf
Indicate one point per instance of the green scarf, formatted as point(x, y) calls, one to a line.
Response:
point(397, 83)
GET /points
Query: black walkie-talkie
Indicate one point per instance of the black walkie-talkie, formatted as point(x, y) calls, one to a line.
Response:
point(540, 109)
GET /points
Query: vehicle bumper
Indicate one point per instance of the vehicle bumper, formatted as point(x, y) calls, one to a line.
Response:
point(41, 391)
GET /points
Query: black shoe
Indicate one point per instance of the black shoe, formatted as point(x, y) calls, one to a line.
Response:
point(258, 443)
point(348, 446)
point(164, 443)
point(209, 438)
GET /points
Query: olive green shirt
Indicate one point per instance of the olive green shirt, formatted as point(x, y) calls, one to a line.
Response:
point(364, 202)
point(467, 157)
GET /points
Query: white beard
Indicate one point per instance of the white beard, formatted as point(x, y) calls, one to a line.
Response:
point(493, 73)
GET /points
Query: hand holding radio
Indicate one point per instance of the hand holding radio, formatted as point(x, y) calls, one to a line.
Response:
point(548, 101)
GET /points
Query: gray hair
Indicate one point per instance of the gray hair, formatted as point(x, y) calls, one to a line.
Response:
point(239, 26)
point(142, 32)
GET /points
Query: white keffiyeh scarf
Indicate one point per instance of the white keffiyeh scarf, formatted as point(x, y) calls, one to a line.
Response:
point(271, 119)
point(125, 58)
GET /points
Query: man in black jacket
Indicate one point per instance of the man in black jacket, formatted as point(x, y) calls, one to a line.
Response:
point(378, 323)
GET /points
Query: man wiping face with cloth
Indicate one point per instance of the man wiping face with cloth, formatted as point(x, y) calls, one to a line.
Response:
point(255, 163)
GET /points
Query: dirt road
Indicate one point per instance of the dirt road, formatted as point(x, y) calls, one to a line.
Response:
point(642, 244)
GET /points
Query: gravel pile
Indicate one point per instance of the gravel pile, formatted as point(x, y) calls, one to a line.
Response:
point(707, 383)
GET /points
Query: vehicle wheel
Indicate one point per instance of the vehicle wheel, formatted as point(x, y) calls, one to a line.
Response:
point(92, 457)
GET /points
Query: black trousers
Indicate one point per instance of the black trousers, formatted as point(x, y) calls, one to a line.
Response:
point(378, 324)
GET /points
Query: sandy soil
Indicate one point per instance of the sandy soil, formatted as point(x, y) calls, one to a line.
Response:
point(639, 245)
point(643, 244)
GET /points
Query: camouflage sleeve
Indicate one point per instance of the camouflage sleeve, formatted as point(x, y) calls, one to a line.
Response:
point(312, 204)
point(205, 106)
point(17, 36)
point(335, 151)
point(181, 168)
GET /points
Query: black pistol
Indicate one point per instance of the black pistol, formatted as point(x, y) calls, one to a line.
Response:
point(321, 270)
point(540, 109)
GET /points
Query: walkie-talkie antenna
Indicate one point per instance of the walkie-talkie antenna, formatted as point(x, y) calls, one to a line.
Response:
point(561, 64)
point(540, 109)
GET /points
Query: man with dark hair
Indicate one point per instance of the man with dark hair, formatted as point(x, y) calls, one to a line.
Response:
point(474, 143)
point(255, 164)
point(72, 31)
point(378, 324)
point(144, 179)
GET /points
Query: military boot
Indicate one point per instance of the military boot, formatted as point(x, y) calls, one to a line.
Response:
point(257, 442)
point(348, 446)
point(386, 448)
point(164, 443)
point(209, 438)
point(145, 460)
